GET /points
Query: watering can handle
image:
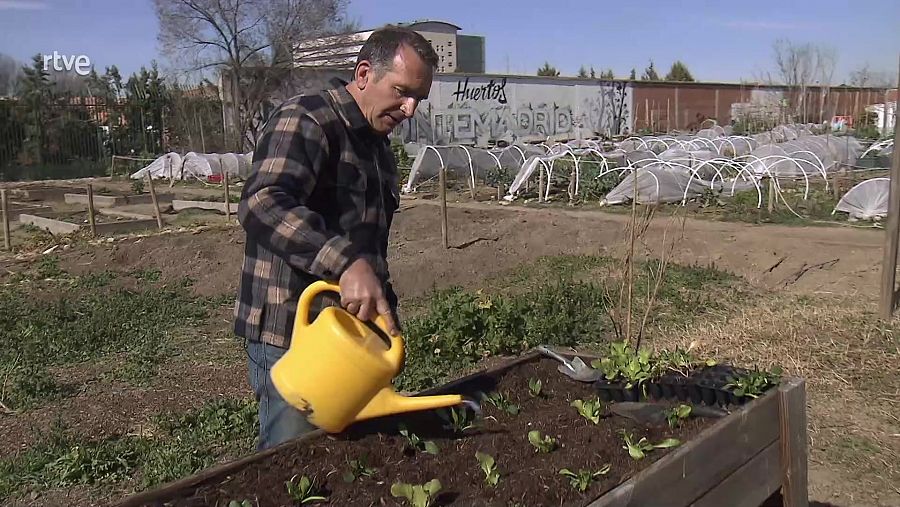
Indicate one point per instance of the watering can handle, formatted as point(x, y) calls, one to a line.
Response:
point(394, 355)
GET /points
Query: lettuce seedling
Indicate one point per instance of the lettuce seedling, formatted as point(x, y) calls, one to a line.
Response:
point(489, 467)
point(581, 480)
point(358, 469)
point(498, 400)
point(417, 495)
point(637, 450)
point(590, 409)
point(676, 414)
point(417, 444)
point(544, 443)
point(534, 386)
point(303, 490)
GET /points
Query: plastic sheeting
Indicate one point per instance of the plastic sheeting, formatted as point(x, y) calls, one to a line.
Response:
point(665, 183)
point(867, 200)
point(196, 165)
point(803, 157)
point(466, 162)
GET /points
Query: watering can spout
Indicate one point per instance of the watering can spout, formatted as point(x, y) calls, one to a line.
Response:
point(389, 402)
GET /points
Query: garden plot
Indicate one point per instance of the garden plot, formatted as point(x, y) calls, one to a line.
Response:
point(67, 222)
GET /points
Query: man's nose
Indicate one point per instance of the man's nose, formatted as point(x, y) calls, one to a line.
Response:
point(408, 108)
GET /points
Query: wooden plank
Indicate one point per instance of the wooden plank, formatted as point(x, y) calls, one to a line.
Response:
point(445, 241)
point(792, 419)
point(5, 205)
point(891, 233)
point(699, 465)
point(749, 485)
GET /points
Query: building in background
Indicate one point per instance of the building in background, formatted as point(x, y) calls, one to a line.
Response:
point(456, 52)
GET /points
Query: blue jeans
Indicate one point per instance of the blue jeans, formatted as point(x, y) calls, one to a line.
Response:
point(278, 421)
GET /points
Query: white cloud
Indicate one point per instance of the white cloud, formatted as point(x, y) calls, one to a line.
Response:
point(23, 5)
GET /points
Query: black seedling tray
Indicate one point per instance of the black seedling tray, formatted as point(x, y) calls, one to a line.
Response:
point(703, 385)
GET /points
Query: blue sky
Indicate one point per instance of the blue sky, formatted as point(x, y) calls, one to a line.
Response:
point(719, 41)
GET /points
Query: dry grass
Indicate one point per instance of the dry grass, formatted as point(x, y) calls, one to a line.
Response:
point(850, 362)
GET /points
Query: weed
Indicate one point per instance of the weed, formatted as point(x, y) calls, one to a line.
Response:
point(489, 467)
point(637, 450)
point(502, 403)
point(417, 495)
point(534, 387)
point(48, 267)
point(676, 414)
point(358, 469)
point(581, 480)
point(303, 490)
point(544, 443)
point(95, 280)
point(590, 409)
point(146, 275)
point(414, 443)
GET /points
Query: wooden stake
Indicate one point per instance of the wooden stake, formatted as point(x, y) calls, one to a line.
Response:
point(771, 194)
point(647, 113)
point(676, 109)
point(668, 115)
point(445, 240)
point(155, 202)
point(227, 200)
point(717, 106)
point(5, 208)
point(90, 196)
point(891, 234)
point(541, 184)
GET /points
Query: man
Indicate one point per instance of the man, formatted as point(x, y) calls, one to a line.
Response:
point(319, 205)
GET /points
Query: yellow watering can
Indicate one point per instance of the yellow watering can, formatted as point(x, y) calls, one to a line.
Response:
point(339, 371)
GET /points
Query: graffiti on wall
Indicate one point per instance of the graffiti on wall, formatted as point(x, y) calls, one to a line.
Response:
point(463, 111)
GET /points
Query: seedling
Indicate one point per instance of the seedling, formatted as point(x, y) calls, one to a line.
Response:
point(242, 503)
point(417, 495)
point(676, 414)
point(637, 450)
point(460, 420)
point(417, 444)
point(582, 480)
point(544, 443)
point(498, 400)
point(681, 361)
point(755, 382)
point(623, 363)
point(534, 386)
point(358, 470)
point(303, 490)
point(590, 409)
point(489, 467)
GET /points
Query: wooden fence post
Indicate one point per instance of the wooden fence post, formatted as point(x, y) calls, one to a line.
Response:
point(155, 201)
point(771, 194)
point(891, 232)
point(5, 208)
point(445, 241)
point(541, 184)
point(91, 220)
point(227, 197)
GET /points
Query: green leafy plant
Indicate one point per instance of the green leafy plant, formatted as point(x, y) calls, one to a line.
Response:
point(499, 400)
point(303, 490)
point(417, 444)
point(676, 414)
point(534, 386)
point(417, 495)
point(637, 450)
point(581, 480)
point(357, 470)
point(489, 467)
point(544, 443)
point(755, 382)
point(680, 361)
point(460, 420)
point(590, 409)
point(622, 363)
point(240, 503)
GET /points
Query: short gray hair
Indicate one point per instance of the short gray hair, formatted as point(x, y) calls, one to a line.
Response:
point(382, 46)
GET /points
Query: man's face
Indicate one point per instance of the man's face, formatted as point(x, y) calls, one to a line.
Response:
point(390, 96)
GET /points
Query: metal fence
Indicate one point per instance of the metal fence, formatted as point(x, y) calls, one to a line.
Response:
point(73, 140)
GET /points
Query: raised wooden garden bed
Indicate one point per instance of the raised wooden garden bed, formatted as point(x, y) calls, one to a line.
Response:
point(69, 222)
point(180, 204)
point(110, 201)
point(738, 460)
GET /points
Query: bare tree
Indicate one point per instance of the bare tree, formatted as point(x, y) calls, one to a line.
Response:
point(232, 36)
point(864, 76)
point(800, 65)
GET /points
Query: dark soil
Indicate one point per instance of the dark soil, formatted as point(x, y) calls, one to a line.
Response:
point(527, 477)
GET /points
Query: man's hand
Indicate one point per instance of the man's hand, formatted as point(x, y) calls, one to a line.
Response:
point(362, 294)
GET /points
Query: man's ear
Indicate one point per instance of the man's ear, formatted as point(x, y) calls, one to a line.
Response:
point(363, 74)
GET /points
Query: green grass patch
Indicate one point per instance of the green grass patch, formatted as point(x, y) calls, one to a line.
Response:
point(456, 328)
point(184, 445)
point(48, 319)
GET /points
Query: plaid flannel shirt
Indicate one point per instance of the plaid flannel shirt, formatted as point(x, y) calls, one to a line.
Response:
point(322, 193)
